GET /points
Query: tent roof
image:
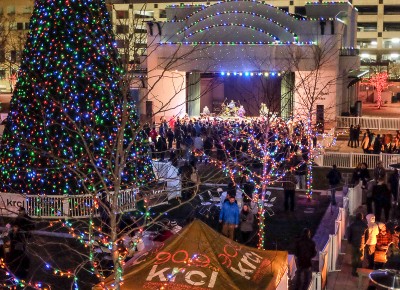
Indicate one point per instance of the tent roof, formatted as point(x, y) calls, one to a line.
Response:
point(200, 258)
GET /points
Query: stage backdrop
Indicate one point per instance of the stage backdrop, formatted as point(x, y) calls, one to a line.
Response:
point(200, 258)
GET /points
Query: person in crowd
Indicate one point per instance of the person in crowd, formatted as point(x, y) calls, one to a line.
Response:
point(161, 147)
point(246, 224)
point(383, 239)
point(153, 135)
point(357, 234)
point(334, 178)
point(370, 244)
point(208, 146)
point(379, 171)
point(365, 142)
point(360, 173)
point(185, 171)
point(229, 217)
point(357, 132)
point(382, 199)
point(300, 172)
point(377, 144)
point(394, 185)
point(304, 251)
point(352, 133)
point(24, 221)
point(289, 182)
point(393, 252)
point(198, 146)
point(170, 138)
point(173, 158)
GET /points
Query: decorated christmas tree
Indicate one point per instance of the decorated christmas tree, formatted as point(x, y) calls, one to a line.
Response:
point(72, 127)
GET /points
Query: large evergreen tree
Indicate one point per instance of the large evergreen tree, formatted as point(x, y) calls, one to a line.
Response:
point(72, 127)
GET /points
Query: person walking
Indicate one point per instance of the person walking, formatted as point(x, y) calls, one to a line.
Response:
point(246, 224)
point(370, 244)
point(357, 234)
point(229, 217)
point(334, 179)
point(304, 251)
point(289, 182)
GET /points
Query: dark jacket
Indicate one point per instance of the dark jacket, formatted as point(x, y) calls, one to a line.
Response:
point(246, 221)
point(304, 251)
point(334, 177)
point(357, 233)
point(289, 181)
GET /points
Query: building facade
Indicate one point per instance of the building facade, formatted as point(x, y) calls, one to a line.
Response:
point(378, 29)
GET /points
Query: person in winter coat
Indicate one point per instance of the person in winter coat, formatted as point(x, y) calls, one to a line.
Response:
point(370, 244)
point(393, 252)
point(360, 173)
point(334, 178)
point(357, 234)
point(289, 182)
point(304, 251)
point(381, 196)
point(246, 223)
point(229, 217)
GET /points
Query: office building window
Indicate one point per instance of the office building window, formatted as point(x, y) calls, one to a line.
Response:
point(20, 26)
point(122, 43)
point(391, 26)
point(13, 56)
point(392, 9)
point(367, 9)
point(122, 14)
point(163, 13)
point(2, 56)
point(122, 29)
point(2, 74)
point(366, 26)
point(286, 9)
point(301, 10)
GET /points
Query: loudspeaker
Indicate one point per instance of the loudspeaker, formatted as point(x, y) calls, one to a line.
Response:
point(320, 118)
point(149, 109)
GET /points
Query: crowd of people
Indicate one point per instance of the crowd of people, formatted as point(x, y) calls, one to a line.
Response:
point(379, 191)
point(377, 242)
point(374, 143)
point(246, 141)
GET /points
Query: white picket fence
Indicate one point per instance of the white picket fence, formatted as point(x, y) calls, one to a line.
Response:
point(376, 123)
point(350, 160)
point(79, 206)
point(330, 253)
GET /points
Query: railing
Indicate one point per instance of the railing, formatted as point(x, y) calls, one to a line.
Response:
point(350, 160)
point(376, 123)
point(70, 206)
point(331, 251)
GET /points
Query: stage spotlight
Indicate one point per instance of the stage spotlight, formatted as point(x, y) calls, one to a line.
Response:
point(273, 74)
point(246, 74)
point(234, 73)
point(252, 74)
point(266, 74)
point(228, 74)
point(240, 74)
point(222, 73)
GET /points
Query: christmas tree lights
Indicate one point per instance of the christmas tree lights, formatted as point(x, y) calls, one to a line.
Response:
point(72, 128)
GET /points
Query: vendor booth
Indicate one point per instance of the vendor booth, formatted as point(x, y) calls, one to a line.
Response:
point(200, 258)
